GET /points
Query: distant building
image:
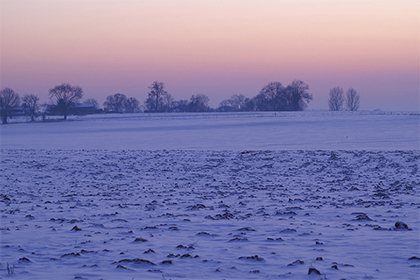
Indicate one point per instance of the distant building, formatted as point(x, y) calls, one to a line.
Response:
point(14, 111)
point(82, 109)
point(76, 109)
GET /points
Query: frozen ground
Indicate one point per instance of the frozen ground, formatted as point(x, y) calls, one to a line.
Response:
point(209, 214)
point(126, 209)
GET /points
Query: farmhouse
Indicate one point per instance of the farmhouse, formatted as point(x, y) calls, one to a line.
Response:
point(76, 109)
point(14, 111)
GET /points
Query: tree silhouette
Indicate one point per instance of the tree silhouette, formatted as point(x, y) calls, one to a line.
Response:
point(180, 105)
point(8, 99)
point(236, 103)
point(336, 100)
point(352, 99)
point(298, 95)
point(132, 105)
point(92, 101)
point(272, 97)
point(199, 103)
point(115, 103)
point(156, 97)
point(64, 96)
point(31, 104)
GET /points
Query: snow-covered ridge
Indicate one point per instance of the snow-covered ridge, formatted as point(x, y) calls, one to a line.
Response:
point(136, 214)
point(309, 130)
point(216, 115)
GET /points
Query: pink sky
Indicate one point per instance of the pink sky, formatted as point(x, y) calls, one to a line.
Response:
point(217, 47)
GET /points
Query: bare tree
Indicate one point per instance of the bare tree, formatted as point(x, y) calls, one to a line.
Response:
point(180, 105)
point(352, 99)
point(272, 97)
point(64, 96)
point(249, 105)
point(199, 103)
point(115, 103)
point(298, 95)
point(156, 96)
point(31, 103)
point(8, 99)
point(227, 105)
point(168, 102)
point(93, 101)
point(132, 105)
point(336, 100)
point(236, 103)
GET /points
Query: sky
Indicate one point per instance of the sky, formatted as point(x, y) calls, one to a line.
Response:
point(214, 47)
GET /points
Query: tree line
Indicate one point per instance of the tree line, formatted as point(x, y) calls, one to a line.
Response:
point(272, 97)
point(337, 100)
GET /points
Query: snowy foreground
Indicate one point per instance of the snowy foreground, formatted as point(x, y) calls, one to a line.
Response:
point(98, 214)
point(212, 196)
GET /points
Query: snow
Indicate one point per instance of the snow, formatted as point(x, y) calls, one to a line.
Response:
point(215, 204)
point(240, 131)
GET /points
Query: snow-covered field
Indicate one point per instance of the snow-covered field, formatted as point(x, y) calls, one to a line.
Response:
point(222, 131)
point(234, 196)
